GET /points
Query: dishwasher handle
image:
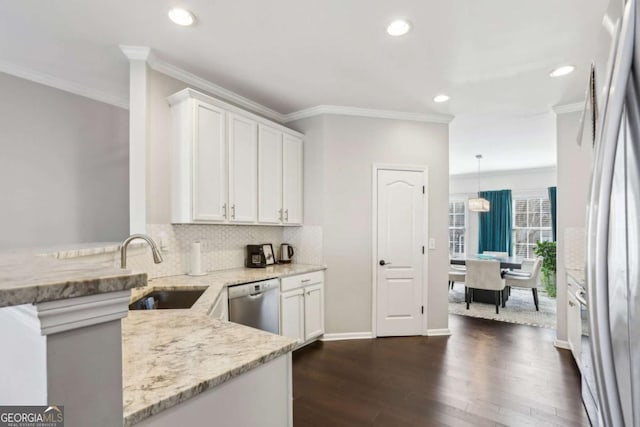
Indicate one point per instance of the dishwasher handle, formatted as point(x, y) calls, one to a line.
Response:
point(252, 290)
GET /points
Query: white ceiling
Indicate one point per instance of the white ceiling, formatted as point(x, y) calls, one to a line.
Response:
point(492, 57)
point(506, 142)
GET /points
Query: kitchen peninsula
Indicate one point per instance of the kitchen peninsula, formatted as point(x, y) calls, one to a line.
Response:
point(70, 330)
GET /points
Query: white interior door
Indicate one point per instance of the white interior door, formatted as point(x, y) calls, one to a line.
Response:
point(400, 213)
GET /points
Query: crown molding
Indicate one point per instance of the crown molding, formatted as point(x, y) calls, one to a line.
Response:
point(366, 112)
point(161, 66)
point(474, 175)
point(64, 85)
point(568, 108)
point(140, 53)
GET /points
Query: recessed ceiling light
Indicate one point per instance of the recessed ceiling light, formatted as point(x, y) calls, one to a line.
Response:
point(562, 71)
point(441, 98)
point(181, 16)
point(399, 27)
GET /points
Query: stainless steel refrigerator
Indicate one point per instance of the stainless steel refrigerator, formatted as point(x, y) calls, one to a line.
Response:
point(611, 369)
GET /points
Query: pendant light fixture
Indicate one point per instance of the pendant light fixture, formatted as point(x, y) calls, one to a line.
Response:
point(479, 204)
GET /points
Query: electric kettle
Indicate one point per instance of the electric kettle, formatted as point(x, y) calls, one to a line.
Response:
point(286, 252)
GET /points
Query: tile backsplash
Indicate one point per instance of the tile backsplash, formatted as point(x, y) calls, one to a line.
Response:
point(222, 247)
point(307, 243)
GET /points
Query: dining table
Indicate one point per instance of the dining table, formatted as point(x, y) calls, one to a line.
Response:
point(506, 263)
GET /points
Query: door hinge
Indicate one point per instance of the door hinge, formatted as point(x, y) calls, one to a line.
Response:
point(423, 249)
point(423, 189)
point(422, 309)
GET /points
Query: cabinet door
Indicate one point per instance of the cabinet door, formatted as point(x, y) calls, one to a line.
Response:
point(269, 175)
point(210, 163)
point(243, 169)
point(292, 179)
point(574, 328)
point(292, 314)
point(220, 308)
point(313, 311)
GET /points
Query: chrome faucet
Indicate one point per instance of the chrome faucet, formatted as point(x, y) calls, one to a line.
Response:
point(157, 257)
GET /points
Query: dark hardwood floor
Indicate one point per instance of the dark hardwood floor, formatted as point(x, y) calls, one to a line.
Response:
point(487, 373)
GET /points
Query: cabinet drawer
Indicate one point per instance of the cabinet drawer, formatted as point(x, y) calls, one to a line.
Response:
point(293, 282)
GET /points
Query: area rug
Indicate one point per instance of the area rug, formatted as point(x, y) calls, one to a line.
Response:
point(520, 308)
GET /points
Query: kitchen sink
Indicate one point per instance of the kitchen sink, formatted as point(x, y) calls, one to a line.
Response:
point(167, 300)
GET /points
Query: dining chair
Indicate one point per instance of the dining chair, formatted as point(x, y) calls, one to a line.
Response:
point(456, 275)
point(484, 274)
point(526, 280)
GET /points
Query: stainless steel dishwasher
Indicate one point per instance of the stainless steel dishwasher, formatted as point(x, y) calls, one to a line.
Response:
point(256, 304)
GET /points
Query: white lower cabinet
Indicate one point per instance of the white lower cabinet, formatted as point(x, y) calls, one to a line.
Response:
point(574, 324)
point(313, 312)
point(302, 306)
point(220, 308)
point(292, 307)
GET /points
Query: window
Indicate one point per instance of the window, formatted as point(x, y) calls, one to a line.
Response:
point(457, 220)
point(531, 223)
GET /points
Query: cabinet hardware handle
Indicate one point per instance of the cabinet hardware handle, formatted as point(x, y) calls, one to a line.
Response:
point(286, 215)
point(233, 211)
point(305, 280)
point(224, 210)
point(280, 215)
point(580, 296)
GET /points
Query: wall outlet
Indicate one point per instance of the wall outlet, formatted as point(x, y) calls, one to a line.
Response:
point(432, 243)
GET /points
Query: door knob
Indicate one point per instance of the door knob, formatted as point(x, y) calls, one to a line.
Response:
point(383, 262)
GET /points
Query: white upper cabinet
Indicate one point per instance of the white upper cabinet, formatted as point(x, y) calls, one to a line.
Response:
point(292, 183)
point(269, 175)
point(230, 166)
point(243, 169)
point(199, 158)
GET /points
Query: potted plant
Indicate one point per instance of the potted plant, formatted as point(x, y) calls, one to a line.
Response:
point(547, 250)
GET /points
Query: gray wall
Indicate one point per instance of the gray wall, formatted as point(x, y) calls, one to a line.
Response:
point(574, 178)
point(63, 167)
point(339, 154)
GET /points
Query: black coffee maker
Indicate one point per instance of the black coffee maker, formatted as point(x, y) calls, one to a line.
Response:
point(256, 257)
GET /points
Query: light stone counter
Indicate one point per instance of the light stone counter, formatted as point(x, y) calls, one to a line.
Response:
point(30, 278)
point(215, 281)
point(170, 356)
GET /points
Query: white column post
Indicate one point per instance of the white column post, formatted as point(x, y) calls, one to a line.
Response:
point(138, 113)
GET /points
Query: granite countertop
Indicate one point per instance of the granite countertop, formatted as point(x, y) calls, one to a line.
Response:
point(29, 277)
point(577, 275)
point(215, 281)
point(170, 356)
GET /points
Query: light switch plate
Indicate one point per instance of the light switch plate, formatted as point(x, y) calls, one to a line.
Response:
point(432, 243)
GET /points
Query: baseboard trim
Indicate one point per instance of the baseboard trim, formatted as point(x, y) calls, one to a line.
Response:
point(562, 344)
point(444, 332)
point(347, 336)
